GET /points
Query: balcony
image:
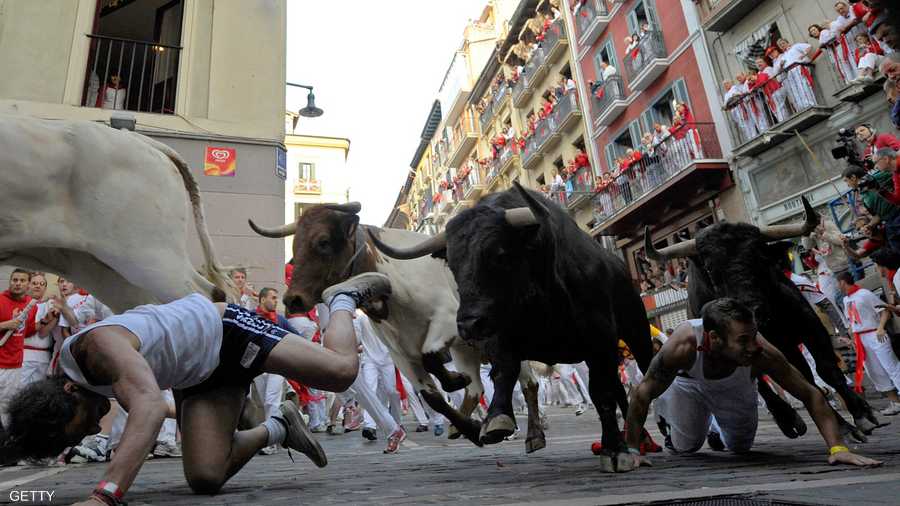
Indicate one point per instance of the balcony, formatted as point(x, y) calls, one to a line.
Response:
point(544, 131)
point(723, 14)
point(443, 205)
point(567, 112)
point(463, 139)
point(846, 73)
point(555, 42)
point(608, 102)
point(646, 62)
point(591, 18)
point(308, 187)
point(764, 118)
point(494, 106)
point(475, 181)
point(685, 167)
point(579, 187)
point(131, 75)
point(508, 154)
point(531, 75)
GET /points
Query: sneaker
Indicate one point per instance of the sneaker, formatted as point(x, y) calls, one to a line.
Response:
point(394, 440)
point(892, 409)
point(298, 435)
point(269, 450)
point(318, 429)
point(361, 288)
point(369, 434)
point(91, 449)
point(438, 430)
point(514, 435)
point(579, 410)
point(166, 449)
point(421, 428)
point(335, 430)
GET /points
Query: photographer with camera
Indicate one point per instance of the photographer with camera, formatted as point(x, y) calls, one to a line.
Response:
point(876, 191)
point(874, 141)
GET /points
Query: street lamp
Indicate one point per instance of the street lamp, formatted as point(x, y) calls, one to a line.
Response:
point(310, 111)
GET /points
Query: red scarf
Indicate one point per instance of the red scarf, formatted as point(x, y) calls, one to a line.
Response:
point(853, 315)
point(272, 316)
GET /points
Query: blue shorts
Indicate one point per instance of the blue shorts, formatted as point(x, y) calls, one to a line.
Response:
point(247, 340)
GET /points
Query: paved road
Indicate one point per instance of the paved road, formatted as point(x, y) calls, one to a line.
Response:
point(429, 470)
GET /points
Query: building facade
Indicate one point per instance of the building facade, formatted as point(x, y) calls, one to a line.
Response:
point(788, 154)
point(317, 173)
point(203, 76)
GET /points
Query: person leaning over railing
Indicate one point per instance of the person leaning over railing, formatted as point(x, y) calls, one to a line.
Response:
point(876, 192)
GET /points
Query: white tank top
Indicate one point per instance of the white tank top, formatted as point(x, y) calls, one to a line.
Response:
point(180, 341)
point(738, 381)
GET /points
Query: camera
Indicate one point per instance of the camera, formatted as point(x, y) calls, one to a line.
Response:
point(847, 149)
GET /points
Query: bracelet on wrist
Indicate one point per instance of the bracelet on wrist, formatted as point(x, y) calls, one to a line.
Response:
point(837, 449)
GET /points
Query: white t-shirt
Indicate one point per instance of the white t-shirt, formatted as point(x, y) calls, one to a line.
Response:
point(86, 308)
point(810, 291)
point(180, 341)
point(860, 310)
point(896, 281)
point(796, 53)
point(374, 349)
point(841, 22)
point(43, 345)
point(306, 327)
point(609, 71)
point(113, 98)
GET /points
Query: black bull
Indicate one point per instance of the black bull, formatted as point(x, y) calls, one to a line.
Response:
point(741, 261)
point(533, 286)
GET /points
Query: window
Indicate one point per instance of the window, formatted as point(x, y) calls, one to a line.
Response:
point(662, 110)
point(607, 53)
point(540, 180)
point(307, 171)
point(559, 164)
point(643, 12)
point(627, 139)
point(755, 45)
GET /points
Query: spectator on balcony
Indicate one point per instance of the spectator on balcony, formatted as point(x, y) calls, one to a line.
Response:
point(885, 34)
point(645, 31)
point(867, 55)
point(770, 89)
point(797, 77)
point(846, 26)
point(830, 42)
point(690, 130)
point(755, 101)
point(738, 109)
point(112, 94)
point(581, 159)
point(569, 86)
point(633, 51)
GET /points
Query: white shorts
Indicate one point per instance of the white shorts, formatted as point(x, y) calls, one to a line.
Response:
point(688, 408)
point(9, 386)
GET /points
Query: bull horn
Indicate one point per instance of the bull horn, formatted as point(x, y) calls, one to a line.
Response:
point(275, 233)
point(788, 230)
point(680, 250)
point(520, 217)
point(426, 247)
point(349, 207)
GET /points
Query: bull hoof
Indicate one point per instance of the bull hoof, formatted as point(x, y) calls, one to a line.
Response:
point(849, 431)
point(533, 444)
point(455, 381)
point(495, 429)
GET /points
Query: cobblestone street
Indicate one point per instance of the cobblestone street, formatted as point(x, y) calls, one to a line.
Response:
point(431, 470)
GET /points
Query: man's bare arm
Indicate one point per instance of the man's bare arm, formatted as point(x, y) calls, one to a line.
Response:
point(772, 362)
point(678, 353)
point(112, 358)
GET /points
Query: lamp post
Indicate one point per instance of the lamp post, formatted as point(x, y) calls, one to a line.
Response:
point(310, 111)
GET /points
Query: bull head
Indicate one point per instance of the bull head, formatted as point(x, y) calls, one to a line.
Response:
point(520, 217)
point(324, 246)
point(769, 233)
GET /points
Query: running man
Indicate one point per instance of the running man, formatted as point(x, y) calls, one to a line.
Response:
point(706, 369)
point(208, 354)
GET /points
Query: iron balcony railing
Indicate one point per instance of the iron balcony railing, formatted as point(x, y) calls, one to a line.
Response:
point(506, 152)
point(528, 72)
point(588, 11)
point(542, 131)
point(493, 106)
point(609, 91)
point(565, 106)
point(661, 161)
point(131, 75)
point(552, 36)
point(650, 46)
point(788, 93)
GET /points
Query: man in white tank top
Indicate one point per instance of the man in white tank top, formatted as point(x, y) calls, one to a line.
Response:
point(707, 368)
point(208, 354)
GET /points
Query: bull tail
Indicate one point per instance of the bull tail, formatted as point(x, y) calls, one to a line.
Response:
point(213, 271)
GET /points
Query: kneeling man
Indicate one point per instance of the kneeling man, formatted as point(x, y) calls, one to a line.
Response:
point(707, 368)
point(208, 354)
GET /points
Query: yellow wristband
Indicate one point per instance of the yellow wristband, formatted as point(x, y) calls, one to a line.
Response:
point(838, 449)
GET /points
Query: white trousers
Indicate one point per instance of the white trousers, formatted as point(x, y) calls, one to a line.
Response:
point(689, 407)
point(271, 390)
point(381, 379)
point(881, 363)
point(34, 370)
point(415, 404)
point(9, 385)
point(487, 382)
point(368, 399)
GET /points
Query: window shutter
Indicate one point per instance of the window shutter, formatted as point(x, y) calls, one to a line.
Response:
point(610, 157)
point(681, 93)
point(634, 129)
point(633, 25)
point(652, 14)
point(647, 120)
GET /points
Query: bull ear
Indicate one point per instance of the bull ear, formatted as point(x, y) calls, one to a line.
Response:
point(538, 208)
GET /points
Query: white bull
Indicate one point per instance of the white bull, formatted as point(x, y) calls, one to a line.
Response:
point(106, 208)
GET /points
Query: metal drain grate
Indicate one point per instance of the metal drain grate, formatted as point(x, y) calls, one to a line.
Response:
point(730, 501)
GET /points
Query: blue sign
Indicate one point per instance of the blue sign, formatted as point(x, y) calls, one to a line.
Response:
point(281, 163)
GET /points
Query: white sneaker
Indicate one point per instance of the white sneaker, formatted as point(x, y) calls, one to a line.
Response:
point(269, 450)
point(892, 409)
point(166, 449)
